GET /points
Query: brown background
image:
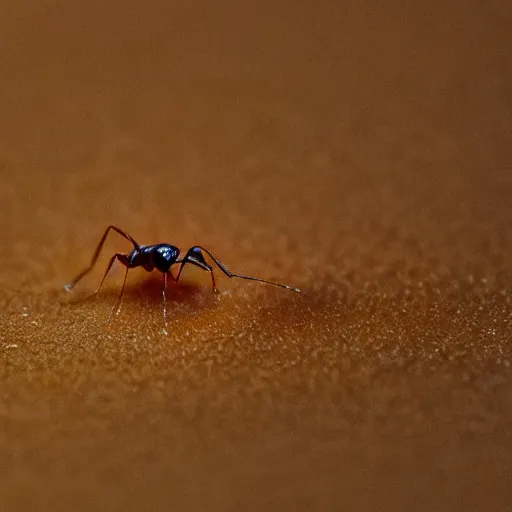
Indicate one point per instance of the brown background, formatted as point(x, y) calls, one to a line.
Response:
point(360, 151)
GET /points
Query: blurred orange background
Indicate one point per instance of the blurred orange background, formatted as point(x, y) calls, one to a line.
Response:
point(359, 151)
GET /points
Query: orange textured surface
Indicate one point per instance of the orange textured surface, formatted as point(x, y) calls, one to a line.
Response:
point(360, 153)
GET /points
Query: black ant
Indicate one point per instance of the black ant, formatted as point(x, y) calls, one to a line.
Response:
point(160, 257)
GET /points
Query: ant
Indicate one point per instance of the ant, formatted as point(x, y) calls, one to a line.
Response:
point(160, 257)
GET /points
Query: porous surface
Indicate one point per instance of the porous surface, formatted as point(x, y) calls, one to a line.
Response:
point(359, 151)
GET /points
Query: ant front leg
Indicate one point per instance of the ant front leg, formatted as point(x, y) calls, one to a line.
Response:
point(195, 257)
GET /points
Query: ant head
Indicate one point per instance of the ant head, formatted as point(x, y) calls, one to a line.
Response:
point(164, 256)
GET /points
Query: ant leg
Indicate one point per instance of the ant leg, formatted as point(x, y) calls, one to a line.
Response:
point(195, 256)
point(117, 307)
point(111, 262)
point(214, 286)
point(84, 272)
point(164, 297)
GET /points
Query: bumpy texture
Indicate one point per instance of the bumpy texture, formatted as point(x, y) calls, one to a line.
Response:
point(360, 153)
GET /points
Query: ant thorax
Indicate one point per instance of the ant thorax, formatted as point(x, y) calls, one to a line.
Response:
point(160, 256)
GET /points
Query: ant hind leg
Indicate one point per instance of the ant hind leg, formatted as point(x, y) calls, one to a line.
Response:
point(96, 254)
point(117, 307)
point(109, 267)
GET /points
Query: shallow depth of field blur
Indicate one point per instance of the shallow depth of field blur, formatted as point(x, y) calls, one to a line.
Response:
point(359, 152)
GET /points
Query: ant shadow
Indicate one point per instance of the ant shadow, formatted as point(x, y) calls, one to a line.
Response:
point(149, 291)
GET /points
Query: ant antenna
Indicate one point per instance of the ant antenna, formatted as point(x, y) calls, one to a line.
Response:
point(195, 257)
